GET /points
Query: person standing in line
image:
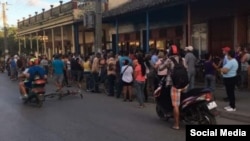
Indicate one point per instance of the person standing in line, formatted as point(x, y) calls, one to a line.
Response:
point(121, 61)
point(140, 78)
point(244, 67)
point(79, 72)
point(190, 61)
point(225, 51)
point(86, 71)
point(127, 80)
point(229, 72)
point(96, 71)
point(161, 68)
point(210, 69)
point(58, 67)
point(111, 72)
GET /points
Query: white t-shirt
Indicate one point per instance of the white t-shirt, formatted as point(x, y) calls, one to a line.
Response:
point(128, 74)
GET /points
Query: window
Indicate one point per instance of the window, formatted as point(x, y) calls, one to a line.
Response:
point(199, 38)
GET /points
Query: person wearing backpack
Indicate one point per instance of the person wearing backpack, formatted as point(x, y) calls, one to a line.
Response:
point(177, 78)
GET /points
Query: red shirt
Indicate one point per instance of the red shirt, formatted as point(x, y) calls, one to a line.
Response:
point(139, 76)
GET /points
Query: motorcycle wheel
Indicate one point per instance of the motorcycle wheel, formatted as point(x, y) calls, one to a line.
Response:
point(161, 114)
point(40, 99)
point(208, 119)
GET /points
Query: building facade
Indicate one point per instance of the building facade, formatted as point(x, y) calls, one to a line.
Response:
point(208, 25)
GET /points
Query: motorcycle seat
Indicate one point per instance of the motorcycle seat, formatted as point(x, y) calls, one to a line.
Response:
point(194, 92)
point(38, 90)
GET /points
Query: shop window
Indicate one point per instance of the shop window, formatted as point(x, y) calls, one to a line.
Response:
point(200, 39)
point(160, 45)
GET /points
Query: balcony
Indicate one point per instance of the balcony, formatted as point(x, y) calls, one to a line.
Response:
point(71, 11)
point(55, 12)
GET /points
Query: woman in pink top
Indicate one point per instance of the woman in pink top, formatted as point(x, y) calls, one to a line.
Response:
point(140, 75)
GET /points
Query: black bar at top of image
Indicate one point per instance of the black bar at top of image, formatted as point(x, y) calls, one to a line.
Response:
point(198, 132)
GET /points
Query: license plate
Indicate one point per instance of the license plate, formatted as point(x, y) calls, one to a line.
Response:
point(211, 105)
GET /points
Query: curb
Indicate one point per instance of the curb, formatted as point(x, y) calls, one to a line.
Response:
point(234, 115)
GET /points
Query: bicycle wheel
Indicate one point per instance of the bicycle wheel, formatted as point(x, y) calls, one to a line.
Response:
point(51, 96)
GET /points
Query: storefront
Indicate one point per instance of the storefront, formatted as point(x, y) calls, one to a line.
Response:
point(129, 41)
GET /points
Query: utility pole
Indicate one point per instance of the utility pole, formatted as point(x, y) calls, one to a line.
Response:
point(5, 27)
point(98, 26)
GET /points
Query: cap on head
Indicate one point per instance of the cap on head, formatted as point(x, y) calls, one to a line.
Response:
point(226, 49)
point(174, 50)
point(189, 48)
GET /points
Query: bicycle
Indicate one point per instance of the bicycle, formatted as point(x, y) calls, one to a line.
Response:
point(59, 95)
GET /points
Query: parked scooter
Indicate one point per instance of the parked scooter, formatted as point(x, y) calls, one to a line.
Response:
point(197, 105)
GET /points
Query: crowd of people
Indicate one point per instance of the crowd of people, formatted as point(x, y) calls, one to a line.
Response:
point(136, 74)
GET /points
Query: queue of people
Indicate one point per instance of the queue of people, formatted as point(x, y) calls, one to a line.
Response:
point(136, 75)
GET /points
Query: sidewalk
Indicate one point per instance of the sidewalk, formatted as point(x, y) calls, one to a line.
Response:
point(242, 112)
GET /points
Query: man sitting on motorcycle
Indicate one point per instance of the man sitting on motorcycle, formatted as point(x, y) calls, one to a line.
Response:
point(31, 74)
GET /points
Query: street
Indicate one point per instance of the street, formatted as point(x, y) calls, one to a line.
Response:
point(95, 117)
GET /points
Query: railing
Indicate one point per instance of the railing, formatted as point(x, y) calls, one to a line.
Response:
point(72, 7)
point(64, 8)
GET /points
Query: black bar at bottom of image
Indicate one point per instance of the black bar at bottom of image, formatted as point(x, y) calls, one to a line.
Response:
point(197, 132)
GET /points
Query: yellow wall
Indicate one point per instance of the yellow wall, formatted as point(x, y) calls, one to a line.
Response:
point(115, 3)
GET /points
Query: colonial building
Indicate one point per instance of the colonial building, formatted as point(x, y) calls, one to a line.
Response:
point(208, 25)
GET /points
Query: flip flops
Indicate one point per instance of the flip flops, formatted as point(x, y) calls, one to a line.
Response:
point(175, 128)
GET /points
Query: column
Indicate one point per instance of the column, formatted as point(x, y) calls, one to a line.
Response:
point(84, 41)
point(117, 36)
point(98, 26)
point(72, 49)
point(24, 42)
point(147, 32)
point(44, 44)
point(76, 35)
point(31, 45)
point(62, 40)
point(53, 41)
point(37, 43)
point(141, 40)
point(189, 22)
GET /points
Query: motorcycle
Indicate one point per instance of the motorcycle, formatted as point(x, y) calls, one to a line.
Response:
point(36, 94)
point(197, 106)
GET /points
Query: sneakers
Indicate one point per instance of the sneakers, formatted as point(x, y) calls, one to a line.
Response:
point(227, 107)
point(230, 109)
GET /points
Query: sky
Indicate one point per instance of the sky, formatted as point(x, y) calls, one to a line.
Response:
point(17, 9)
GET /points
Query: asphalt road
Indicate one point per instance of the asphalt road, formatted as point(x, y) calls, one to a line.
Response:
point(96, 117)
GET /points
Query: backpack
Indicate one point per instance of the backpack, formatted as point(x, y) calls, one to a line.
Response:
point(179, 74)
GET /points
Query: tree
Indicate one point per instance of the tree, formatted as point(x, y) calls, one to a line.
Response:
point(11, 39)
